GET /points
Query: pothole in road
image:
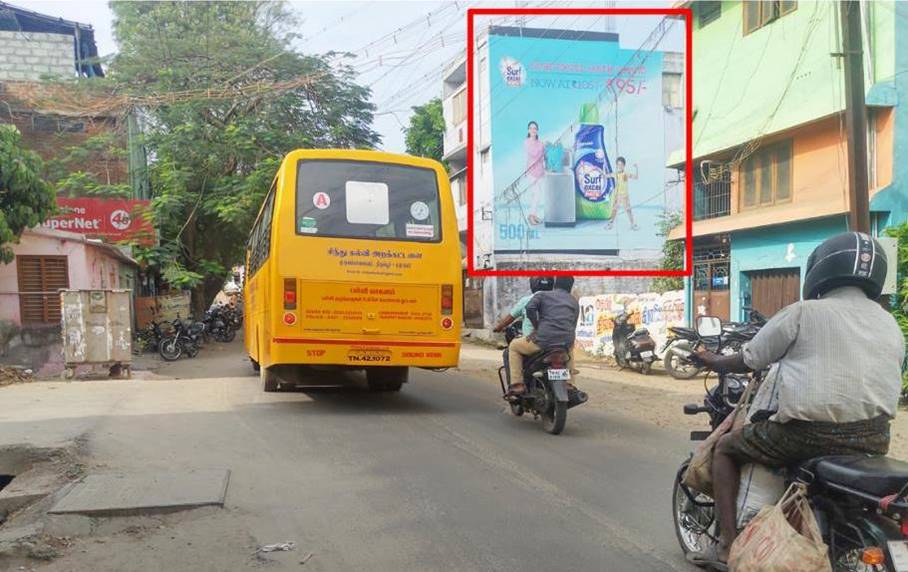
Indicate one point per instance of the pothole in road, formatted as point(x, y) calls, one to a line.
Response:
point(5, 480)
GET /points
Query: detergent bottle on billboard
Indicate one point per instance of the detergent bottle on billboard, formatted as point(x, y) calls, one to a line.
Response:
point(594, 191)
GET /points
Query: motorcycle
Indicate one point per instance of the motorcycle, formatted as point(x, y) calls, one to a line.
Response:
point(549, 394)
point(185, 337)
point(859, 501)
point(634, 347)
point(217, 324)
point(683, 341)
point(148, 338)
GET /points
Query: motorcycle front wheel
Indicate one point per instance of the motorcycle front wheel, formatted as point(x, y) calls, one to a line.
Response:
point(678, 366)
point(228, 335)
point(694, 517)
point(170, 349)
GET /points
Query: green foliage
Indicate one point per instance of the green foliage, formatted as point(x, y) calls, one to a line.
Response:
point(213, 159)
point(899, 306)
point(26, 200)
point(102, 151)
point(426, 132)
point(672, 253)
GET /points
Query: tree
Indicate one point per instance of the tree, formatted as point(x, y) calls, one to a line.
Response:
point(899, 302)
point(672, 253)
point(228, 98)
point(426, 134)
point(26, 200)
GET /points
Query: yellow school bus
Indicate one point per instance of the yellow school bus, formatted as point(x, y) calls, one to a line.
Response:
point(354, 261)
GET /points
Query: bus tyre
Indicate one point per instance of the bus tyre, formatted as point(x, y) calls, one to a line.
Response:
point(386, 378)
point(270, 382)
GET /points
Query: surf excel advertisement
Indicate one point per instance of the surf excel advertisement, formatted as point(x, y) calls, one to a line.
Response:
point(578, 150)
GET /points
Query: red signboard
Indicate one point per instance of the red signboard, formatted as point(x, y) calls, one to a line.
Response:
point(115, 220)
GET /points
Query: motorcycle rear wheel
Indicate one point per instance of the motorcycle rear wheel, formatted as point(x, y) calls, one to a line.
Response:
point(170, 349)
point(516, 409)
point(555, 415)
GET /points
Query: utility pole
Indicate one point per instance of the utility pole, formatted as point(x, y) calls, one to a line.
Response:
point(855, 116)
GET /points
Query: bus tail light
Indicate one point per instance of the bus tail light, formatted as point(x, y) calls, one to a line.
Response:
point(447, 299)
point(290, 293)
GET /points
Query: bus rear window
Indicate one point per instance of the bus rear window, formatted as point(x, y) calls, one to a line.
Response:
point(360, 199)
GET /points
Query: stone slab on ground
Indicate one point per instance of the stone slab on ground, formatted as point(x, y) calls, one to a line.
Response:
point(125, 494)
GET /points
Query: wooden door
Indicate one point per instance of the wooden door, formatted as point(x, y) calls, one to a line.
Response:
point(772, 290)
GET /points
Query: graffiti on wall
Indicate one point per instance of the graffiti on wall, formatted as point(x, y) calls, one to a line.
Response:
point(655, 312)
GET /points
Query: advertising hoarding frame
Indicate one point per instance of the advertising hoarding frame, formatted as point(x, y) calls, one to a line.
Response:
point(687, 15)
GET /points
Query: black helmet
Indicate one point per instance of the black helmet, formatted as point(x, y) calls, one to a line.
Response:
point(847, 259)
point(565, 283)
point(541, 283)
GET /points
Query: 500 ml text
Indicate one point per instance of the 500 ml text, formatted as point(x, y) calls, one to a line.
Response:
point(516, 232)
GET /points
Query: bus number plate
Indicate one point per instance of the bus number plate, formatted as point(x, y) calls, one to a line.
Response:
point(369, 356)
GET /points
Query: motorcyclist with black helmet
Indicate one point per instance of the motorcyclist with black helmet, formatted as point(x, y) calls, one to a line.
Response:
point(518, 310)
point(835, 375)
point(554, 317)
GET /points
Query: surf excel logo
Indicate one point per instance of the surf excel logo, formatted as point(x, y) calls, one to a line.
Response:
point(591, 180)
point(512, 72)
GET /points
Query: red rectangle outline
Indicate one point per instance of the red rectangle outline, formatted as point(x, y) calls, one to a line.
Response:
point(688, 133)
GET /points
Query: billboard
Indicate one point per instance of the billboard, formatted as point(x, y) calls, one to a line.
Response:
point(578, 145)
point(114, 220)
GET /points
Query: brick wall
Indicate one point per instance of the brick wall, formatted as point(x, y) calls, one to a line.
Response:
point(30, 55)
point(52, 135)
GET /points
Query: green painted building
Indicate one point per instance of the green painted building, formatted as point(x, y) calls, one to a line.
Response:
point(770, 152)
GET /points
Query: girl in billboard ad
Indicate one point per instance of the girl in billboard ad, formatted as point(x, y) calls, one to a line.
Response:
point(535, 151)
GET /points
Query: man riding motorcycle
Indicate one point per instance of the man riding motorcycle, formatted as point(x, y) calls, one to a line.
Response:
point(553, 316)
point(835, 379)
point(518, 310)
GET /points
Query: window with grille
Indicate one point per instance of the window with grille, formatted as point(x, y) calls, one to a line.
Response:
point(766, 176)
point(459, 107)
point(40, 277)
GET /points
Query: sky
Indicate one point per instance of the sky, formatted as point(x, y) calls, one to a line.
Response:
point(401, 47)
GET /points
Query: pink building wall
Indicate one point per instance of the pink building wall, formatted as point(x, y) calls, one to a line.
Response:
point(89, 266)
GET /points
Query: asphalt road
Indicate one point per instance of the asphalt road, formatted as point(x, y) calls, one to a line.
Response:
point(438, 477)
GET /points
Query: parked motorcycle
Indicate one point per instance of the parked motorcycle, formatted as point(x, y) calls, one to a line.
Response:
point(218, 324)
point(148, 338)
point(859, 501)
point(186, 337)
point(634, 347)
point(682, 341)
point(546, 375)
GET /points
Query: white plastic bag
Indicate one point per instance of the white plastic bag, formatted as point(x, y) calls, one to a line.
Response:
point(760, 486)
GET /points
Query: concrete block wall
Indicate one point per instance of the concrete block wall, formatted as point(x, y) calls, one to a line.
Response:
point(500, 293)
point(28, 56)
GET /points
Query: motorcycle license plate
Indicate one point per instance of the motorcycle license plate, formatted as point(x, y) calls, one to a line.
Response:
point(559, 374)
point(646, 354)
point(368, 356)
point(899, 551)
